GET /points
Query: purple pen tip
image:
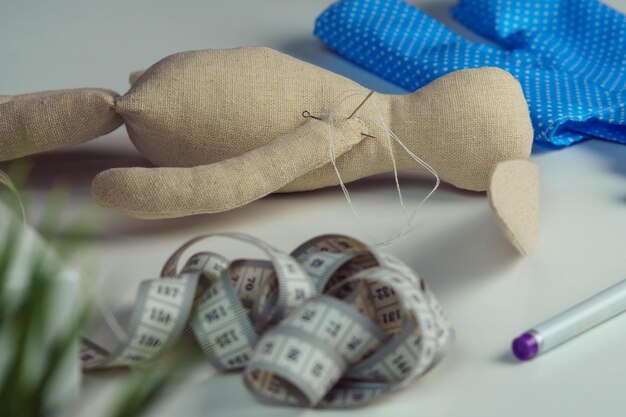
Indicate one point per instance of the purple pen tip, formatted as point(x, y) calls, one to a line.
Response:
point(525, 347)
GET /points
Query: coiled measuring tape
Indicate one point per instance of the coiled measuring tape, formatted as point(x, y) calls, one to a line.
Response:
point(334, 324)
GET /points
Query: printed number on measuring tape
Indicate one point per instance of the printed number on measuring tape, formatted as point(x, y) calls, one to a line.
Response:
point(333, 324)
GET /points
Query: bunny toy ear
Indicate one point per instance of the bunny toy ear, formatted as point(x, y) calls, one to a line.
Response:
point(38, 122)
point(228, 184)
point(514, 197)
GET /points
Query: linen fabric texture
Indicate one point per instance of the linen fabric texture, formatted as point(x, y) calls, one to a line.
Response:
point(226, 127)
point(201, 108)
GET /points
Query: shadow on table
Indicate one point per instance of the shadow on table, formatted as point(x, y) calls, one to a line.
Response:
point(466, 252)
point(615, 156)
point(220, 395)
point(472, 249)
point(507, 358)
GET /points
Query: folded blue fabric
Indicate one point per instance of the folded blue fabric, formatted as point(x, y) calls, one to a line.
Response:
point(569, 55)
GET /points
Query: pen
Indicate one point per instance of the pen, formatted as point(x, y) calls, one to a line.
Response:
point(570, 323)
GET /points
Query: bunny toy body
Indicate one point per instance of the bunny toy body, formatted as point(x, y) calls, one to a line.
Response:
point(226, 127)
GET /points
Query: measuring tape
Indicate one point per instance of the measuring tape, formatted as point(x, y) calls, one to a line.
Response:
point(334, 324)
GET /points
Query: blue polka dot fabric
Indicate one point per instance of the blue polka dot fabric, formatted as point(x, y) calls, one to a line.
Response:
point(569, 55)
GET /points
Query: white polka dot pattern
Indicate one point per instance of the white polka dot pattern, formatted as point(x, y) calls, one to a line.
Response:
point(569, 56)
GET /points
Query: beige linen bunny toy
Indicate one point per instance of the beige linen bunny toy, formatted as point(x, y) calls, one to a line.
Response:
point(226, 127)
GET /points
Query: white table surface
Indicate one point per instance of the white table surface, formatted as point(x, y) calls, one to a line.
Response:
point(489, 292)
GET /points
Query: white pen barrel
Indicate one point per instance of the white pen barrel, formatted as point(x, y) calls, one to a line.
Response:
point(582, 317)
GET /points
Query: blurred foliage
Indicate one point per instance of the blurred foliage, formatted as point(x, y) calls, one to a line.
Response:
point(38, 345)
point(32, 362)
point(39, 325)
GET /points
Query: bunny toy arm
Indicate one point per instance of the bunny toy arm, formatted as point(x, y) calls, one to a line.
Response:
point(212, 188)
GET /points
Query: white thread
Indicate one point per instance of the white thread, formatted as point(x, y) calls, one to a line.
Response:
point(390, 136)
